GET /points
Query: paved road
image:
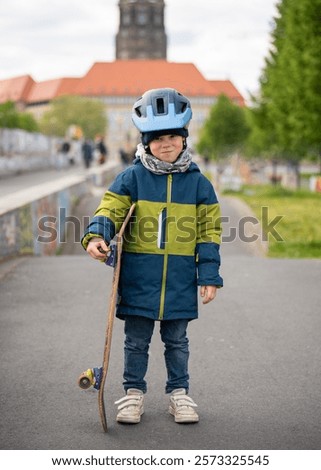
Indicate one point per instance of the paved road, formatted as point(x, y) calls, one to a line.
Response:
point(255, 358)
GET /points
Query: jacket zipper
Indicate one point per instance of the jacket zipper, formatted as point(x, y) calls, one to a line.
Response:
point(164, 277)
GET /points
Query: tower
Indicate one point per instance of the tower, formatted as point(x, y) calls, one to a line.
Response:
point(141, 33)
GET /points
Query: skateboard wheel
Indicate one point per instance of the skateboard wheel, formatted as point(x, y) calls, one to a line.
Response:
point(84, 383)
point(86, 379)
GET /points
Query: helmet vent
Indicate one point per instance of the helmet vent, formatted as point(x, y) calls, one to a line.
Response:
point(160, 106)
point(138, 111)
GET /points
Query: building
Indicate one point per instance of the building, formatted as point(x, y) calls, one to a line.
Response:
point(119, 83)
point(141, 33)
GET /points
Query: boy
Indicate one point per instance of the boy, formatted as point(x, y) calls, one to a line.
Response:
point(172, 247)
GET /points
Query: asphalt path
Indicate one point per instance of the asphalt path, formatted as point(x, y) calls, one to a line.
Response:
point(13, 183)
point(254, 366)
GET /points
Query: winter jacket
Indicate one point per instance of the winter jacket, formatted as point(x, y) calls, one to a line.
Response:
point(171, 245)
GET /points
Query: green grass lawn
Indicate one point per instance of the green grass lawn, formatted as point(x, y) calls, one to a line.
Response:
point(300, 225)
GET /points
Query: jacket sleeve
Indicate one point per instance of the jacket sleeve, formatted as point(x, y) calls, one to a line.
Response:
point(111, 211)
point(208, 236)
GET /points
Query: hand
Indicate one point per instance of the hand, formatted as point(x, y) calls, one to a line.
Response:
point(209, 293)
point(97, 249)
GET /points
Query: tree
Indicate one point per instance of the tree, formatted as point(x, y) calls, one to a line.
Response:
point(27, 122)
point(257, 141)
point(290, 92)
point(225, 130)
point(65, 111)
point(10, 118)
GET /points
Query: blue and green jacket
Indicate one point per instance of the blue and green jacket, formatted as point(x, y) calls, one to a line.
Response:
point(171, 244)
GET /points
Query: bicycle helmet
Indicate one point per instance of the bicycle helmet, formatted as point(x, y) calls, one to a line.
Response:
point(159, 110)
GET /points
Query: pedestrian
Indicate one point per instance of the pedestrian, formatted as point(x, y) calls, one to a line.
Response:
point(103, 152)
point(87, 152)
point(171, 248)
point(65, 148)
point(123, 157)
point(62, 155)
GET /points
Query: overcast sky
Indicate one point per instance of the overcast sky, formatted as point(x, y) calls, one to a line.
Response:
point(225, 39)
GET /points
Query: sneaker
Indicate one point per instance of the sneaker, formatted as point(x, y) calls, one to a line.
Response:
point(182, 407)
point(130, 407)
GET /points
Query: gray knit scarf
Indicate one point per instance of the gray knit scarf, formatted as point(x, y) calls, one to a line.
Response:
point(163, 168)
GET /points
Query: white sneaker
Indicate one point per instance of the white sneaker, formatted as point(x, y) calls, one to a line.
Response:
point(182, 407)
point(130, 407)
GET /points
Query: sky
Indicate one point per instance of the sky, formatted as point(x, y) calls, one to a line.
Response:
point(225, 39)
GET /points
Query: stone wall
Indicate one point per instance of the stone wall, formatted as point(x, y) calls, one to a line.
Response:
point(34, 221)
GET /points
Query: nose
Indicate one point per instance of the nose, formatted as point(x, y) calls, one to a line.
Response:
point(166, 142)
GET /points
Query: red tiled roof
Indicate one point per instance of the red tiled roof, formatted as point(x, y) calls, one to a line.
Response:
point(15, 89)
point(120, 78)
point(133, 77)
point(226, 87)
point(49, 89)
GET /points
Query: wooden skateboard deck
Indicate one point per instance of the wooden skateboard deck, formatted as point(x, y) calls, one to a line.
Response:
point(86, 379)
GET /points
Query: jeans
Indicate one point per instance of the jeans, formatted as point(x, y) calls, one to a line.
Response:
point(138, 334)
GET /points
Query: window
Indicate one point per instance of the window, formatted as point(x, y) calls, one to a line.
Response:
point(126, 18)
point(142, 17)
point(158, 17)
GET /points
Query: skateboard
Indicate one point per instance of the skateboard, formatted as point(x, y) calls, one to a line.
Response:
point(96, 377)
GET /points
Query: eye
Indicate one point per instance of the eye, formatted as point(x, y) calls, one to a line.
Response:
point(156, 139)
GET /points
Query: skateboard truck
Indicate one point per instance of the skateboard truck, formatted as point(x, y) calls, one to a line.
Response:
point(91, 378)
point(111, 254)
point(111, 258)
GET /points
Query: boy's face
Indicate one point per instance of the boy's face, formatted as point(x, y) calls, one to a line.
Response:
point(167, 147)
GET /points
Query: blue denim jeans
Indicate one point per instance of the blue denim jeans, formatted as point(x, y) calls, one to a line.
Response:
point(138, 335)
